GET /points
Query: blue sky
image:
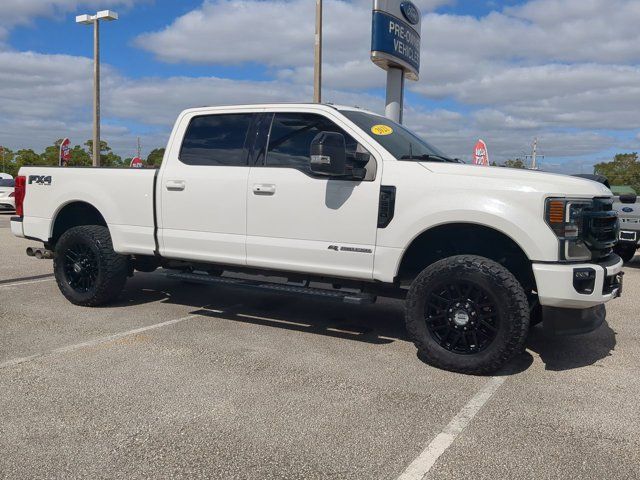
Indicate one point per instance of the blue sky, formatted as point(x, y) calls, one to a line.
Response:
point(565, 71)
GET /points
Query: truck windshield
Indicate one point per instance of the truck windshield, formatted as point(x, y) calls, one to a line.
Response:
point(399, 141)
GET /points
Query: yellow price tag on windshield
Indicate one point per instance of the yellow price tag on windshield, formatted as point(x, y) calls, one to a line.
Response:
point(381, 130)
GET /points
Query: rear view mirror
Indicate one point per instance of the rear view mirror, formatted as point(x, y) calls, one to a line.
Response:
point(628, 198)
point(328, 154)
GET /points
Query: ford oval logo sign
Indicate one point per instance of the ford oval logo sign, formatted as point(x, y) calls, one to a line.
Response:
point(410, 12)
point(627, 209)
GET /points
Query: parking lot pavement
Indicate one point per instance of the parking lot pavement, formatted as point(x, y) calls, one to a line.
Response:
point(199, 382)
point(12, 256)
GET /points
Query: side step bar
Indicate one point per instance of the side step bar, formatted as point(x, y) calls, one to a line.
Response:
point(336, 295)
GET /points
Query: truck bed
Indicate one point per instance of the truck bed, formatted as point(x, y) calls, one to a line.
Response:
point(124, 197)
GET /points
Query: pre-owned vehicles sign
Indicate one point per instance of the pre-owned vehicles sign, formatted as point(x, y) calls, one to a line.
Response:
point(395, 36)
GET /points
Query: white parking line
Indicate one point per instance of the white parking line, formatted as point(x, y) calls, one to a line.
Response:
point(419, 468)
point(17, 284)
point(97, 341)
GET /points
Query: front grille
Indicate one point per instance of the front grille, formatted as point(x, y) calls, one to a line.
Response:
point(601, 226)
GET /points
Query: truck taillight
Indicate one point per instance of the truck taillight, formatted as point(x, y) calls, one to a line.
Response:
point(20, 190)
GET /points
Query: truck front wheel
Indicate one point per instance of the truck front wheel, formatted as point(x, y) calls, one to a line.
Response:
point(467, 314)
point(87, 269)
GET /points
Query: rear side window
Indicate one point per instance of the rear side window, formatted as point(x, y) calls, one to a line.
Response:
point(291, 136)
point(7, 182)
point(216, 140)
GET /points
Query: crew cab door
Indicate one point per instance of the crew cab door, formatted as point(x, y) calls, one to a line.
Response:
point(203, 189)
point(300, 221)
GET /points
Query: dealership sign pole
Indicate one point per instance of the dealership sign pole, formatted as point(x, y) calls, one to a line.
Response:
point(395, 47)
point(65, 153)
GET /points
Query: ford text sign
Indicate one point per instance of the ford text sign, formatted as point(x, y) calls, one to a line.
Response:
point(395, 36)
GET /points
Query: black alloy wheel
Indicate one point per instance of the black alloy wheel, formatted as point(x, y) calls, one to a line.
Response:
point(462, 317)
point(80, 267)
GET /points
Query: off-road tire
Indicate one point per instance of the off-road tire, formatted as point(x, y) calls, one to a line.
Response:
point(511, 305)
point(112, 268)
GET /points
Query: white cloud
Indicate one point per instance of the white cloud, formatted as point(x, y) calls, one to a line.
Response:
point(275, 33)
point(13, 12)
point(45, 97)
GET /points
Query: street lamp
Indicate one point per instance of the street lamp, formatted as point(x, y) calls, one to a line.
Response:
point(106, 15)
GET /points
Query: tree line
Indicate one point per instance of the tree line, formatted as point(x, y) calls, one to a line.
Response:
point(81, 155)
point(624, 169)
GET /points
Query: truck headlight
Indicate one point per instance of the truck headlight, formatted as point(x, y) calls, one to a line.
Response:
point(566, 219)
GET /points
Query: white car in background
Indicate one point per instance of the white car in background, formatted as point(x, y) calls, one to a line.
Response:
point(7, 192)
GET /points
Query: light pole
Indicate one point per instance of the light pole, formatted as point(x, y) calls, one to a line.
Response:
point(317, 70)
point(106, 15)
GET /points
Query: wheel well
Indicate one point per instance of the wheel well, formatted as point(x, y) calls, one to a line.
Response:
point(466, 238)
point(73, 215)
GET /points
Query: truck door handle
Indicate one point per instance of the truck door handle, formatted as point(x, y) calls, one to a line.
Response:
point(264, 189)
point(175, 185)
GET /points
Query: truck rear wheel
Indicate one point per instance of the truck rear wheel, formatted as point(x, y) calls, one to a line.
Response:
point(467, 314)
point(87, 269)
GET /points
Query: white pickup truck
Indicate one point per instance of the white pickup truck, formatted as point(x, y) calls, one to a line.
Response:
point(346, 199)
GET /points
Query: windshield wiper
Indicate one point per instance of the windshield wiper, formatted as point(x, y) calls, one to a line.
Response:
point(428, 157)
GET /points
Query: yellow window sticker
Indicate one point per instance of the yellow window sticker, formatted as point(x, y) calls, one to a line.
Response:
point(381, 130)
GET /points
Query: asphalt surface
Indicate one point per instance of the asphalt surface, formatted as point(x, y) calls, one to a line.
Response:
point(232, 385)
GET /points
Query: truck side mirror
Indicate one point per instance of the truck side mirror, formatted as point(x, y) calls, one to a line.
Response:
point(628, 198)
point(328, 154)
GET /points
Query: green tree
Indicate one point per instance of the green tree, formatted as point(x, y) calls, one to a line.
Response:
point(514, 163)
point(155, 157)
point(51, 154)
point(79, 157)
point(26, 156)
point(7, 161)
point(623, 170)
point(107, 157)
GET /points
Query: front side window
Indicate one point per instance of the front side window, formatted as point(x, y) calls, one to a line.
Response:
point(7, 182)
point(217, 140)
point(291, 136)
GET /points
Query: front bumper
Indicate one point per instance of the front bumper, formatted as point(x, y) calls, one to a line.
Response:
point(555, 283)
point(567, 309)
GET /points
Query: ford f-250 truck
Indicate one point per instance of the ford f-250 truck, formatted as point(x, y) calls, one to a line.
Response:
point(346, 199)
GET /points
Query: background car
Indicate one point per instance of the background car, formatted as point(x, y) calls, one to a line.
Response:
point(7, 192)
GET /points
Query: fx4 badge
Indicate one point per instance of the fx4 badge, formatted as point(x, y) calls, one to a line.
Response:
point(336, 248)
point(40, 179)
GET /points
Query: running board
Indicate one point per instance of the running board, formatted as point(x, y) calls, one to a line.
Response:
point(336, 295)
